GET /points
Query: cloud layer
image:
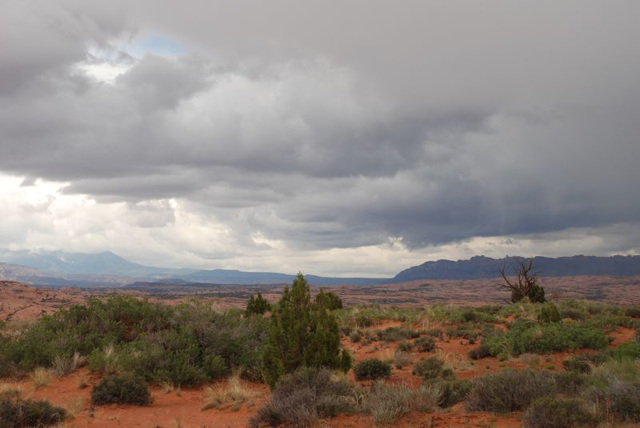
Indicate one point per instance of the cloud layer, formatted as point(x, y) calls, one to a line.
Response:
point(275, 134)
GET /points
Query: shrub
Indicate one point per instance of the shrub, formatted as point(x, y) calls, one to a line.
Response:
point(633, 312)
point(355, 336)
point(394, 334)
point(480, 352)
point(388, 403)
point(619, 400)
point(549, 313)
point(453, 391)
point(328, 300)
point(509, 390)
point(570, 382)
point(551, 412)
point(257, 305)
point(405, 346)
point(41, 377)
point(303, 397)
point(18, 412)
point(372, 368)
point(544, 338)
point(435, 333)
point(230, 393)
point(160, 343)
point(425, 344)
point(363, 320)
point(629, 350)
point(584, 363)
point(124, 388)
point(401, 358)
point(430, 368)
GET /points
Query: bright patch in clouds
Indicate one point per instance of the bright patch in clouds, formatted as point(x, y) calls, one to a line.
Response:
point(155, 44)
point(105, 64)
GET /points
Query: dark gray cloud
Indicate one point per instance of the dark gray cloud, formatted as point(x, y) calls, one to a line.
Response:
point(334, 126)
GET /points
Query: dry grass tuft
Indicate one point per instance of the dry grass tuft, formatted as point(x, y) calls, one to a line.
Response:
point(232, 393)
point(41, 377)
point(63, 366)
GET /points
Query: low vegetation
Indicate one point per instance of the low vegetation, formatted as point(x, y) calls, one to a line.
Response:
point(296, 349)
point(388, 403)
point(551, 412)
point(125, 388)
point(306, 396)
point(187, 345)
point(372, 369)
point(232, 393)
point(16, 411)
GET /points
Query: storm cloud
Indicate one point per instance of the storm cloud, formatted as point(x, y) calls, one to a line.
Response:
point(283, 127)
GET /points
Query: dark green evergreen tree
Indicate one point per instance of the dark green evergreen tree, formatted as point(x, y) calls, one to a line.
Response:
point(257, 305)
point(302, 333)
point(329, 300)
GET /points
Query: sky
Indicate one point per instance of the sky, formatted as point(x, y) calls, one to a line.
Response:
point(350, 138)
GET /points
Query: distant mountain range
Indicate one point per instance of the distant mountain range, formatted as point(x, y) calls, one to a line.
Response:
point(104, 263)
point(485, 267)
point(106, 269)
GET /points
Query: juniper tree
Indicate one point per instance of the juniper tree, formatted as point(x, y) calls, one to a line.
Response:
point(302, 333)
point(257, 305)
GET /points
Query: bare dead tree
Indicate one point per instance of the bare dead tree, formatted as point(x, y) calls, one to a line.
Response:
point(525, 284)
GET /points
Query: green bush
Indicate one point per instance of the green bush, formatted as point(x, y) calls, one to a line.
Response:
point(584, 363)
point(394, 334)
point(430, 368)
point(509, 390)
point(425, 344)
point(570, 382)
point(160, 343)
point(328, 300)
point(480, 352)
point(364, 321)
point(630, 350)
point(435, 333)
point(124, 388)
point(18, 412)
point(552, 412)
point(372, 368)
point(549, 313)
point(544, 338)
point(618, 400)
point(303, 397)
point(453, 391)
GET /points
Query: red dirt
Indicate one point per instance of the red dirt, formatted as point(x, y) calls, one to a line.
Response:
point(178, 408)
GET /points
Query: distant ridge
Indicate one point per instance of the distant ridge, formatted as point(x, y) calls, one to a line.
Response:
point(106, 269)
point(103, 263)
point(226, 276)
point(486, 267)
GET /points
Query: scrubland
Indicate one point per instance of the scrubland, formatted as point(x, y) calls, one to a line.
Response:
point(121, 360)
